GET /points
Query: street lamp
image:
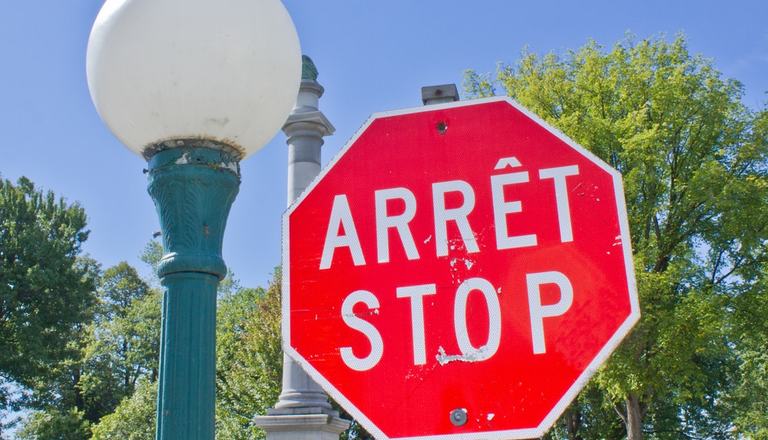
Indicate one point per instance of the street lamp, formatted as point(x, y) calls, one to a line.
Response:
point(193, 86)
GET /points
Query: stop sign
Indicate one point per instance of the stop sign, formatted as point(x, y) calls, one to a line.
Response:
point(458, 271)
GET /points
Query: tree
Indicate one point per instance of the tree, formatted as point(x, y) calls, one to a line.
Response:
point(750, 397)
point(114, 353)
point(123, 345)
point(249, 359)
point(46, 290)
point(694, 165)
point(56, 425)
point(133, 419)
point(123, 342)
point(122, 353)
point(120, 285)
point(151, 256)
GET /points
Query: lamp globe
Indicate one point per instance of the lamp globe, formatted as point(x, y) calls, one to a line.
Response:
point(226, 71)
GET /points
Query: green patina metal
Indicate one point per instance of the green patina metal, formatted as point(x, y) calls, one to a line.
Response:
point(193, 188)
point(308, 69)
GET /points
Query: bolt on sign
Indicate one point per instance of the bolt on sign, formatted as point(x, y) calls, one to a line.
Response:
point(458, 271)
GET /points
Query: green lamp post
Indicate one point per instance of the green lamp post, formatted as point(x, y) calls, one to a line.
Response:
point(193, 86)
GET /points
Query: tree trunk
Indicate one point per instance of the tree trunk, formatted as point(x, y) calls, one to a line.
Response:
point(634, 418)
point(78, 391)
point(127, 389)
point(573, 423)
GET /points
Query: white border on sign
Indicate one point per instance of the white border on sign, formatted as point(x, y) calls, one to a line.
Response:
point(583, 378)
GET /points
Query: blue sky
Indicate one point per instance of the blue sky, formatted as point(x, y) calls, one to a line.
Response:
point(372, 55)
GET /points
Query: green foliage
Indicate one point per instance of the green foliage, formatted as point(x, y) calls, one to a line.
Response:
point(588, 418)
point(133, 419)
point(151, 256)
point(750, 398)
point(249, 364)
point(120, 286)
point(249, 359)
point(355, 431)
point(479, 85)
point(53, 424)
point(112, 354)
point(123, 353)
point(694, 165)
point(46, 291)
point(124, 345)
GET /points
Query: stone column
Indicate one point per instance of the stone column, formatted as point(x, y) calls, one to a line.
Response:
point(303, 411)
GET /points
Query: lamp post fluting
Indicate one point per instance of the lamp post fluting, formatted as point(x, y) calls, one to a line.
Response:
point(193, 187)
point(194, 87)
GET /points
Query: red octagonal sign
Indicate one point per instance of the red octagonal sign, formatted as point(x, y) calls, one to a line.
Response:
point(458, 272)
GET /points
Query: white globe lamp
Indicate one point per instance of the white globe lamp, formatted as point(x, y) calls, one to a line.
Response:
point(222, 70)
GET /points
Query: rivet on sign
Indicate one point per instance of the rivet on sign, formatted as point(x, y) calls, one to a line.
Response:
point(459, 417)
point(442, 127)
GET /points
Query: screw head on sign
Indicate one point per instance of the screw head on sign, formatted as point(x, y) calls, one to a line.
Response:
point(459, 417)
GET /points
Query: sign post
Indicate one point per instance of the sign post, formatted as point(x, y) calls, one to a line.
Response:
point(459, 271)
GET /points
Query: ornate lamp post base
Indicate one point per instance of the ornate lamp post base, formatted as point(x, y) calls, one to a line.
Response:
point(193, 186)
